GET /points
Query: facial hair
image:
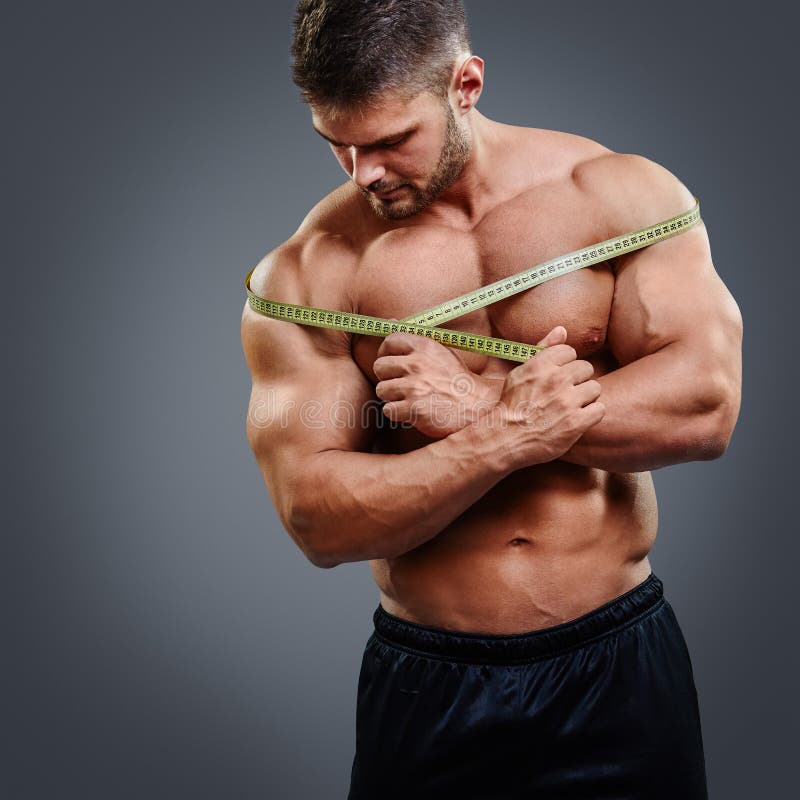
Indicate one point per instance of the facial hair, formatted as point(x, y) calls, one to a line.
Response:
point(452, 158)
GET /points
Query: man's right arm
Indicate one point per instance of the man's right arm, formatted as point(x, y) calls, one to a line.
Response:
point(307, 428)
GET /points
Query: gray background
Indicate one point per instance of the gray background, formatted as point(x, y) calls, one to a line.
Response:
point(166, 639)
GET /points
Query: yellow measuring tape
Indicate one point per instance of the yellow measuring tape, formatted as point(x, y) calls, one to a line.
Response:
point(424, 323)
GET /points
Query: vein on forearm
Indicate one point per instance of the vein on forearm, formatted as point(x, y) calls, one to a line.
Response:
point(369, 505)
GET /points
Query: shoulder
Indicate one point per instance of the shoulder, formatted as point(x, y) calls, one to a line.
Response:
point(550, 153)
point(534, 157)
point(313, 267)
point(314, 263)
point(628, 190)
point(566, 147)
point(631, 191)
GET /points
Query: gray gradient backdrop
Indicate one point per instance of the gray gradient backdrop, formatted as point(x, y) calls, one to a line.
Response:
point(166, 639)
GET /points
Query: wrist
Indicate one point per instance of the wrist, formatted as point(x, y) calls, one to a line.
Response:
point(488, 437)
point(487, 393)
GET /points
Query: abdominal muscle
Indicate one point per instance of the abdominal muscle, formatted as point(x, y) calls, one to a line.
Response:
point(545, 545)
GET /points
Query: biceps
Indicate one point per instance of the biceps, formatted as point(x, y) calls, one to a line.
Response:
point(333, 408)
point(666, 293)
point(308, 394)
point(327, 407)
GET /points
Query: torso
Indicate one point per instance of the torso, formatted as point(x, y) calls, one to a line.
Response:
point(552, 541)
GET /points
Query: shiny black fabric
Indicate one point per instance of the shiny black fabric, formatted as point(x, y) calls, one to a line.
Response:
point(603, 706)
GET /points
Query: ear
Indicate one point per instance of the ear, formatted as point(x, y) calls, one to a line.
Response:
point(468, 83)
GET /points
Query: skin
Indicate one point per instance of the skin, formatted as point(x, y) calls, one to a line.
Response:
point(532, 502)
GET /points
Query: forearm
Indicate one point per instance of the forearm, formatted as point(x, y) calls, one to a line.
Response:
point(658, 412)
point(662, 409)
point(361, 506)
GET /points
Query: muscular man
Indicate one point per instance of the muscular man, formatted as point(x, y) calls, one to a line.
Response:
point(522, 645)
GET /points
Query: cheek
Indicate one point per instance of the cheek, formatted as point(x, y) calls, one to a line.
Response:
point(422, 161)
point(411, 164)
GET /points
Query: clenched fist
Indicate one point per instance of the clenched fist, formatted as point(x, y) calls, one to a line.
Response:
point(427, 385)
point(546, 404)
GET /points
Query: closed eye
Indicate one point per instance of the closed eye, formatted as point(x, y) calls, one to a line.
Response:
point(386, 145)
point(389, 145)
point(396, 143)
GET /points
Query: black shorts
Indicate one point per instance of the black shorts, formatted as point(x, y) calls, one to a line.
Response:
point(602, 706)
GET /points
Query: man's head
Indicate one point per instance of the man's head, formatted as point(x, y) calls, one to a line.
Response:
point(382, 79)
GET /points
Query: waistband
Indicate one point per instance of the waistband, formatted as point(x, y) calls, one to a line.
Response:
point(446, 644)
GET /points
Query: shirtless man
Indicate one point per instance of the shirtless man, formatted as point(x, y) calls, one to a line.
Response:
point(532, 507)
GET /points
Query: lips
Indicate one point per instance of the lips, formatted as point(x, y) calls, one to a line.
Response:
point(390, 194)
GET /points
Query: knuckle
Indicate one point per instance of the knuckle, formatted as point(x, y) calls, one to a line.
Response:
point(415, 393)
point(524, 368)
point(550, 377)
point(541, 373)
point(560, 405)
point(545, 357)
point(573, 422)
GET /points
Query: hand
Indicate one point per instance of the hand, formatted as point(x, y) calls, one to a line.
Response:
point(428, 385)
point(546, 404)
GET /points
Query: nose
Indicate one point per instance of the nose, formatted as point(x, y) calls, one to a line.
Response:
point(366, 168)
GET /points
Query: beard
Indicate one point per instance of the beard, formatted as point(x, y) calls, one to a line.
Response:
point(452, 157)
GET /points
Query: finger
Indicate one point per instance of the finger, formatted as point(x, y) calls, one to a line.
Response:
point(559, 354)
point(399, 411)
point(556, 336)
point(588, 391)
point(387, 367)
point(397, 343)
point(391, 390)
point(579, 371)
point(591, 414)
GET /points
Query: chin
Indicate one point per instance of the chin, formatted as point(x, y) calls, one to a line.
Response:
point(401, 209)
point(394, 210)
point(401, 213)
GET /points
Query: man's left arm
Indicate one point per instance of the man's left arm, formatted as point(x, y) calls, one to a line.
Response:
point(674, 328)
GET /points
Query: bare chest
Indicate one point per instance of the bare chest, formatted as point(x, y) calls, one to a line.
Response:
point(412, 268)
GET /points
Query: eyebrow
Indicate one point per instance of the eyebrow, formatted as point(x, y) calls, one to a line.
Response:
point(376, 143)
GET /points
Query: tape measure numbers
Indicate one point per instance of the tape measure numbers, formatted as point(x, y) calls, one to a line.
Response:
point(424, 323)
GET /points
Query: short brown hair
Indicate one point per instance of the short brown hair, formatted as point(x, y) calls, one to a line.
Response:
point(349, 52)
